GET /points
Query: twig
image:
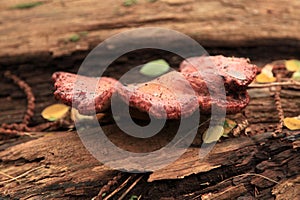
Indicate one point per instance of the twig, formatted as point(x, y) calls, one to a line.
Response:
point(107, 187)
point(252, 174)
point(22, 128)
point(10, 132)
point(9, 176)
point(265, 85)
point(18, 129)
point(29, 94)
point(44, 126)
point(130, 188)
point(20, 176)
point(278, 104)
point(242, 175)
point(118, 189)
point(278, 129)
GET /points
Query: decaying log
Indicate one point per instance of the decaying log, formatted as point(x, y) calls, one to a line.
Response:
point(61, 167)
point(56, 165)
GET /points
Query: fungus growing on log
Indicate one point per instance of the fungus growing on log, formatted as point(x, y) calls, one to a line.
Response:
point(168, 96)
point(237, 73)
point(172, 95)
point(82, 93)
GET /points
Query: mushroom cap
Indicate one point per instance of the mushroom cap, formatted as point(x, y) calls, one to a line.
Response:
point(87, 94)
point(237, 73)
point(207, 74)
point(169, 96)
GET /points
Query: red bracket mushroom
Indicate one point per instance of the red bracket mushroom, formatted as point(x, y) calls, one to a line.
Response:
point(167, 96)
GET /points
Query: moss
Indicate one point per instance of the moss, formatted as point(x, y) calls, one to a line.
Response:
point(74, 38)
point(27, 5)
point(129, 2)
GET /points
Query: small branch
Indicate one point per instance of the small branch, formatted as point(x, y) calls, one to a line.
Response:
point(262, 176)
point(7, 131)
point(266, 85)
point(279, 109)
point(21, 128)
point(278, 104)
point(20, 176)
point(9, 176)
point(107, 187)
point(242, 175)
point(118, 189)
point(250, 174)
point(130, 188)
point(29, 94)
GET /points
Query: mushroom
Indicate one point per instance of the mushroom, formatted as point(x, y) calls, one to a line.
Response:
point(172, 95)
point(82, 93)
point(168, 96)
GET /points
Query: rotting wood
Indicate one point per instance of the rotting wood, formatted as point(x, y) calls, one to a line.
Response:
point(65, 165)
point(289, 189)
point(238, 154)
point(65, 162)
point(71, 170)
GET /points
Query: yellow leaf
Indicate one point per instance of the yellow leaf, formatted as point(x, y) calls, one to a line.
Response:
point(55, 112)
point(296, 76)
point(213, 134)
point(267, 70)
point(264, 78)
point(292, 123)
point(228, 125)
point(292, 65)
point(266, 75)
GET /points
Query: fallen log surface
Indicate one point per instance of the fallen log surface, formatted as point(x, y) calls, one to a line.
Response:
point(57, 165)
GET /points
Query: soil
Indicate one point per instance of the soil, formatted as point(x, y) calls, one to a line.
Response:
point(39, 41)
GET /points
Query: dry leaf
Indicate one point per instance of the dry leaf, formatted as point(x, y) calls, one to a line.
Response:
point(292, 123)
point(55, 112)
point(264, 78)
point(296, 76)
point(267, 70)
point(292, 65)
point(266, 75)
point(213, 134)
point(228, 126)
